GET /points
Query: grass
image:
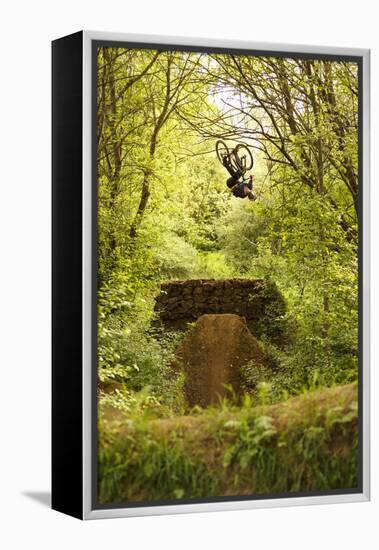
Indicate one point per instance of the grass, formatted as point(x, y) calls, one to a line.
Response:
point(307, 443)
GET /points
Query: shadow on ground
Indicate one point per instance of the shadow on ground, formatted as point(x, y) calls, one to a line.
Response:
point(41, 497)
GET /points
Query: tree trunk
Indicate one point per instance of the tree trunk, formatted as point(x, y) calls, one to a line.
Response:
point(145, 194)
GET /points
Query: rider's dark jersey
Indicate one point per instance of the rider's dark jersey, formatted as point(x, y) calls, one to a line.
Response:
point(239, 190)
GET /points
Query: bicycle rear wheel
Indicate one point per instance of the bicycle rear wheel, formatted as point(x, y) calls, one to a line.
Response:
point(243, 157)
point(222, 151)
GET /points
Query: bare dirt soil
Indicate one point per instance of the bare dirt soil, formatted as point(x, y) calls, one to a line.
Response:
point(212, 354)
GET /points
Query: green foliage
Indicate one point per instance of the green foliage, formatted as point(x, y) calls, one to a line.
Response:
point(131, 352)
point(147, 469)
point(126, 401)
point(233, 450)
point(164, 212)
point(306, 253)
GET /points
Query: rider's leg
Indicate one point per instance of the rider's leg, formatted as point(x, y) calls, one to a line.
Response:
point(232, 180)
point(227, 164)
point(230, 168)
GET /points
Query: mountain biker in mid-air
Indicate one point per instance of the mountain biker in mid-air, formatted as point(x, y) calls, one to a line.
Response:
point(240, 189)
point(237, 160)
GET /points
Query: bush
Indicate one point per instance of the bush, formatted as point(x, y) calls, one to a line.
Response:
point(309, 443)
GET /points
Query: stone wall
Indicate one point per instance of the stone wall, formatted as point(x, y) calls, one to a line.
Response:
point(259, 301)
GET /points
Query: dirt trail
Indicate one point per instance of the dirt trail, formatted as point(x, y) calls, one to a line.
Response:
point(212, 354)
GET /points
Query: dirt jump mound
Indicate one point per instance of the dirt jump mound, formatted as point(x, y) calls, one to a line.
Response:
point(212, 354)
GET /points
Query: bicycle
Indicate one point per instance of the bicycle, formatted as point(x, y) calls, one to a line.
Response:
point(239, 157)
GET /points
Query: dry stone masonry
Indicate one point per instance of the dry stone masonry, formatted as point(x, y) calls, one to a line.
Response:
point(259, 301)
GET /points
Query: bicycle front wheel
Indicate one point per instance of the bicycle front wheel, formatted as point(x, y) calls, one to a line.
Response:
point(243, 157)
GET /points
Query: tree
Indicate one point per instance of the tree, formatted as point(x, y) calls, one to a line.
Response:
point(302, 114)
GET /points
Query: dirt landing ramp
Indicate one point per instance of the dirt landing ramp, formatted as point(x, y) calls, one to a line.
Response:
point(212, 354)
